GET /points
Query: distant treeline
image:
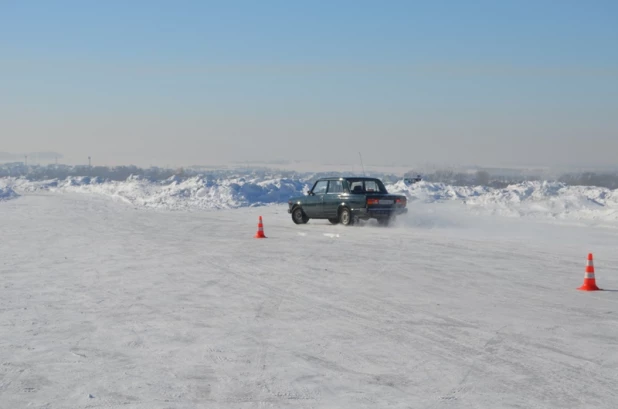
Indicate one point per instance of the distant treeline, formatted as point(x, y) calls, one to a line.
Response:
point(450, 177)
point(121, 173)
point(478, 178)
point(484, 178)
point(117, 173)
point(608, 180)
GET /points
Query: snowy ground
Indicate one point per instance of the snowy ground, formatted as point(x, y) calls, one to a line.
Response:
point(110, 305)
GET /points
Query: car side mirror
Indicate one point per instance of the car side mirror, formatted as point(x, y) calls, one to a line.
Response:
point(308, 193)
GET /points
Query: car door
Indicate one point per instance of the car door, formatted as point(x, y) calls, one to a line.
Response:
point(332, 198)
point(313, 206)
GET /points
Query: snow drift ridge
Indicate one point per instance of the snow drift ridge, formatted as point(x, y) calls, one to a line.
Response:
point(176, 194)
point(536, 199)
point(7, 193)
point(531, 199)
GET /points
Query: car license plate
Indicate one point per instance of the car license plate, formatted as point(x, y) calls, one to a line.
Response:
point(386, 202)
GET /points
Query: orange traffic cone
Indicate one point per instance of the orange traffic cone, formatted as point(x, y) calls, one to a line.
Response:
point(260, 231)
point(590, 283)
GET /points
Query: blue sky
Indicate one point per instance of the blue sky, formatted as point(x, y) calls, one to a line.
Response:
point(157, 82)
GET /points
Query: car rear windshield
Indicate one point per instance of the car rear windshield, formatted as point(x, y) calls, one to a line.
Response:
point(366, 186)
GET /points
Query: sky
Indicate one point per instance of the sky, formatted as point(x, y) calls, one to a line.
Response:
point(161, 83)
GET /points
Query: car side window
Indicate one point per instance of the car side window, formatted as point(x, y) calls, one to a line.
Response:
point(320, 187)
point(335, 187)
point(356, 187)
point(371, 186)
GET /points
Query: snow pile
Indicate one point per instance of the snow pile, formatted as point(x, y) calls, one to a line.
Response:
point(530, 199)
point(24, 185)
point(434, 192)
point(177, 194)
point(7, 193)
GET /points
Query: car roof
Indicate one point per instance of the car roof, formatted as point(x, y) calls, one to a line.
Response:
point(361, 178)
point(353, 178)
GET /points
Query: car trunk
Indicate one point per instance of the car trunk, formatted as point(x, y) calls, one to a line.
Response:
point(380, 201)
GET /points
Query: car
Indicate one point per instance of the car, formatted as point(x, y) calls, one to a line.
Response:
point(410, 181)
point(346, 200)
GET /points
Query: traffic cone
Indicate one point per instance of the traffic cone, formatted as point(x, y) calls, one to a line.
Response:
point(260, 231)
point(590, 283)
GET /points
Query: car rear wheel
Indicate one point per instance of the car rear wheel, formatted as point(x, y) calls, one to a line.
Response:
point(299, 217)
point(345, 217)
point(334, 221)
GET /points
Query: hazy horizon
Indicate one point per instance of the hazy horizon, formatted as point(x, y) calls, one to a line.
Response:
point(515, 83)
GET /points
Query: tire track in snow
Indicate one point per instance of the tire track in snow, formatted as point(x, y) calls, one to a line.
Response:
point(365, 321)
point(447, 344)
point(354, 340)
point(261, 334)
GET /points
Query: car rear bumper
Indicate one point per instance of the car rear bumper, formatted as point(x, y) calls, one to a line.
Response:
point(378, 213)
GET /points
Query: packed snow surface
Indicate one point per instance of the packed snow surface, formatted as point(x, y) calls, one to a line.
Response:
point(104, 305)
point(546, 200)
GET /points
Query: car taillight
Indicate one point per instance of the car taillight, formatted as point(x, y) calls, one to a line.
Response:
point(373, 201)
point(400, 201)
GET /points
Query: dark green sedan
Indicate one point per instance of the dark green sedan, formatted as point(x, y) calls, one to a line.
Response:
point(346, 200)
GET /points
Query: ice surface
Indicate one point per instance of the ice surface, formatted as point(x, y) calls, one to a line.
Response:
point(105, 305)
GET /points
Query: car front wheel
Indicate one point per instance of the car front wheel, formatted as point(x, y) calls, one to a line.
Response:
point(299, 217)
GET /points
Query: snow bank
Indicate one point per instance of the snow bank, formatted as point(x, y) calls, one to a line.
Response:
point(176, 194)
point(435, 192)
point(7, 193)
point(530, 199)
